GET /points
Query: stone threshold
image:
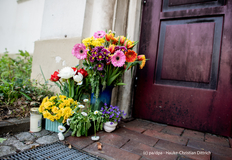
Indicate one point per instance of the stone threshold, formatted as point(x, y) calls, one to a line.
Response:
point(15, 125)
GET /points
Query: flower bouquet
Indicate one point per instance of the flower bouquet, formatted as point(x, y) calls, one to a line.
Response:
point(57, 109)
point(106, 58)
point(72, 82)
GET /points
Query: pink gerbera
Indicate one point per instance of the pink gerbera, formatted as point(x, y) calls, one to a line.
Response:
point(79, 51)
point(118, 59)
point(99, 34)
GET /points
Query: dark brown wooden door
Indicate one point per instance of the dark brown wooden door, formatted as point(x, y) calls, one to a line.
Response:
point(188, 80)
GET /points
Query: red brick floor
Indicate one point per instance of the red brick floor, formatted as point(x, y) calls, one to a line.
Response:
point(144, 140)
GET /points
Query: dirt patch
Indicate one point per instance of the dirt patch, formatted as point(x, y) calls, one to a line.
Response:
point(19, 109)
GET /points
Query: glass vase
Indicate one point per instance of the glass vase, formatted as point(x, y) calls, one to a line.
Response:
point(104, 97)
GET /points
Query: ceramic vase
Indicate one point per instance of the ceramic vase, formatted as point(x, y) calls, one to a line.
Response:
point(109, 126)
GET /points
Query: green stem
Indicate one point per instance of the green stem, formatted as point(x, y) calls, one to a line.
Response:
point(67, 131)
point(69, 82)
point(77, 93)
point(94, 128)
point(60, 83)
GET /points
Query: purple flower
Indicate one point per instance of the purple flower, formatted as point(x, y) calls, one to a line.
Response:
point(100, 66)
point(111, 123)
point(94, 53)
point(91, 59)
point(102, 108)
point(100, 56)
point(108, 59)
point(117, 48)
point(98, 49)
point(105, 52)
point(123, 48)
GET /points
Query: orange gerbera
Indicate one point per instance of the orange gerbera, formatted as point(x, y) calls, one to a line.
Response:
point(143, 59)
point(130, 56)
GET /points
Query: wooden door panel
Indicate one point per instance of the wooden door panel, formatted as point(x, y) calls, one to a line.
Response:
point(188, 53)
point(187, 81)
point(183, 2)
point(175, 5)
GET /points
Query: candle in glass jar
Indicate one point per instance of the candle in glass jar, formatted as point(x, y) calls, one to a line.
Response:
point(35, 120)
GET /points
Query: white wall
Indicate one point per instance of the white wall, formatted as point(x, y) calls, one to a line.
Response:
point(63, 17)
point(20, 24)
point(26, 21)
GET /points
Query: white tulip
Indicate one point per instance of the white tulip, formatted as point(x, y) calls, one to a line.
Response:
point(61, 136)
point(66, 73)
point(78, 78)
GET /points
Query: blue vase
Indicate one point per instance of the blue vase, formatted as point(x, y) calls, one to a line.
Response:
point(104, 97)
point(52, 126)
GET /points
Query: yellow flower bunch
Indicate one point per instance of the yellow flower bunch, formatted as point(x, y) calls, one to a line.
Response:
point(92, 42)
point(58, 108)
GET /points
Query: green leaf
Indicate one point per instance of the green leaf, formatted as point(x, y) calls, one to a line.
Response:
point(25, 95)
point(78, 133)
point(27, 54)
point(120, 84)
point(2, 140)
point(45, 81)
point(112, 79)
point(60, 120)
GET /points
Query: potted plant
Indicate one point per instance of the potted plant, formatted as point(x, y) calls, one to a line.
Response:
point(98, 120)
point(106, 58)
point(57, 110)
point(112, 115)
point(84, 121)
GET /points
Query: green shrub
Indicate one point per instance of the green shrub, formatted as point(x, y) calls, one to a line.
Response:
point(15, 80)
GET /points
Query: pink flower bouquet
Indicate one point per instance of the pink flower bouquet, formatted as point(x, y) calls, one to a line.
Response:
point(106, 58)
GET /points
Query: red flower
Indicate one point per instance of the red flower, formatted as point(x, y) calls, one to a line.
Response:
point(74, 69)
point(83, 72)
point(54, 77)
point(130, 56)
